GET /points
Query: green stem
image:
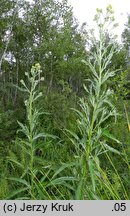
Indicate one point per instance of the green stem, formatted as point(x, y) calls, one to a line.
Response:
point(31, 139)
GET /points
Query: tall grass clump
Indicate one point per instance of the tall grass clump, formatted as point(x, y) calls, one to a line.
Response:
point(95, 115)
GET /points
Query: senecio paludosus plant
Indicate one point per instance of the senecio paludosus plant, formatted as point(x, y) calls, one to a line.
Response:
point(31, 186)
point(96, 110)
point(36, 178)
point(30, 129)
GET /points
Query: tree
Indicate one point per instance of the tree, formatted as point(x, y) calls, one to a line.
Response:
point(44, 32)
point(126, 34)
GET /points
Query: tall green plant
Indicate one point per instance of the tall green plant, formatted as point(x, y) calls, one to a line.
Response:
point(30, 145)
point(33, 114)
point(30, 130)
point(39, 179)
point(95, 112)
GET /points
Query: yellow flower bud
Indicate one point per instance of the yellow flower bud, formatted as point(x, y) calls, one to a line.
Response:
point(37, 66)
point(42, 78)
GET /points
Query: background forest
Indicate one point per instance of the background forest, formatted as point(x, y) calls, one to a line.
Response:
point(64, 104)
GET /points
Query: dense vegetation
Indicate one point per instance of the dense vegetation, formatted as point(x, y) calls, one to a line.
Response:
point(64, 108)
